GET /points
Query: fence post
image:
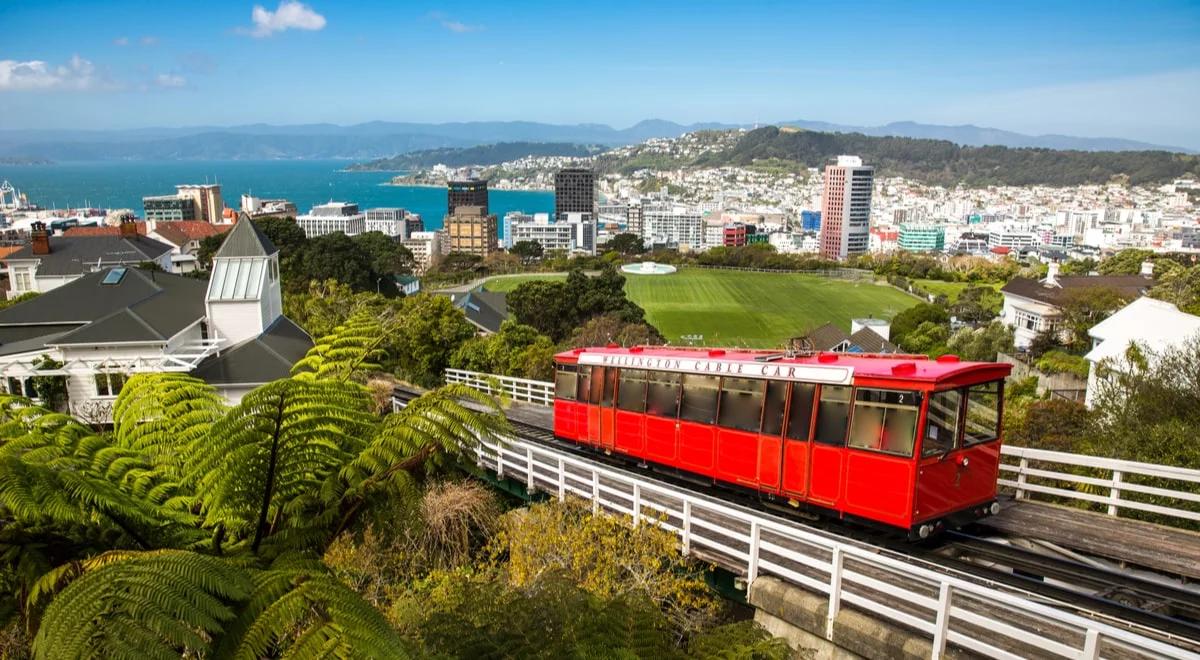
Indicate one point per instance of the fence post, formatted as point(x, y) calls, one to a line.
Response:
point(499, 462)
point(562, 481)
point(755, 537)
point(1091, 645)
point(687, 526)
point(835, 590)
point(595, 492)
point(1114, 493)
point(1024, 465)
point(942, 626)
point(529, 470)
point(637, 503)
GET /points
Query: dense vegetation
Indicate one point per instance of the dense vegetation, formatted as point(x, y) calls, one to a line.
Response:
point(484, 154)
point(944, 163)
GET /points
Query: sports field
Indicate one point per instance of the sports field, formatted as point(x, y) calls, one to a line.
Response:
point(734, 308)
point(949, 289)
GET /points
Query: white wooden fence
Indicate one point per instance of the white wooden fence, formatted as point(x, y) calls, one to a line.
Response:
point(949, 609)
point(517, 389)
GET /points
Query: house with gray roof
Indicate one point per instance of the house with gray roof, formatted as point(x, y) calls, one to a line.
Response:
point(486, 310)
point(106, 325)
point(49, 262)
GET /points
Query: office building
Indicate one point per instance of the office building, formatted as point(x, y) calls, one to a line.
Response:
point(391, 221)
point(471, 230)
point(574, 191)
point(257, 207)
point(426, 248)
point(1013, 239)
point(467, 192)
point(846, 208)
point(921, 237)
point(734, 235)
point(810, 221)
point(207, 200)
point(670, 225)
point(333, 217)
point(168, 208)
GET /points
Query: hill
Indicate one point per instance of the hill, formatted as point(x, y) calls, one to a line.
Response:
point(486, 154)
point(942, 162)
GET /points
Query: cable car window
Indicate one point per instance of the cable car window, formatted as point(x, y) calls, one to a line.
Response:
point(833, 415)
point(699, 402)
point(585, 384)
point(741, 404)
point(801, 412)
point(885, 421)
point(941, 423)
point(983, 413)
point(774, 406)
point(631, 395)
point(662, 394)
point(609, 395)
point(566, 382)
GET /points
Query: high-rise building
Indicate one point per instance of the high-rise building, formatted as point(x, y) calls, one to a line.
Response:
point(207, 200)
point(426, 248)
point(391, 221)
point(846, 208)
point(574, 192)
point(469, 229)
point(467, 192)
point(672, 225)
point(915, 237)
point(168, 208)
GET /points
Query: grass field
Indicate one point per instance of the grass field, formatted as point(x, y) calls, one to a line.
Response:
point(732, 308)
point(949, 289)
point(507, 283)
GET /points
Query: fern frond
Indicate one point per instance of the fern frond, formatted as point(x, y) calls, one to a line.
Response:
point(163, 415)
point(153, 604)
point(278, 445)
point(350, 352)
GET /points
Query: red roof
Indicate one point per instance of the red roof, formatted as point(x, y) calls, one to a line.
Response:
point(717, 361)
point(193, 229)
point(1000, 249)
point(103, 230)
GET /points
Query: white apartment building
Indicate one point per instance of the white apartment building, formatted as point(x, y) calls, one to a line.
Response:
point(426, 247)
point(668, 224)
point(333, 217)
point(1013, 239)
point(391, 221)
point(575, 233)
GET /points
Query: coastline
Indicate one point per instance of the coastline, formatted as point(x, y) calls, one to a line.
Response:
point(443, 185)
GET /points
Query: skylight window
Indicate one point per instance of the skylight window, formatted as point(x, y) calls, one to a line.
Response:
point(114, 276)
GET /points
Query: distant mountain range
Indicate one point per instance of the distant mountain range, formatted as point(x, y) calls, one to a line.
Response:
point(381, 139)
point(482, 155)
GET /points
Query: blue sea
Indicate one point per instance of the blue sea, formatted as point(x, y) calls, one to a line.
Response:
point(117, 185)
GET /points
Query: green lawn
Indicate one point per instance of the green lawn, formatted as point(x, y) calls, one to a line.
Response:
point(949, 289)
point(732, 308)
point(507, 283)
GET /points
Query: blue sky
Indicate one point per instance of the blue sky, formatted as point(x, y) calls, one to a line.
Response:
point(1125, 69)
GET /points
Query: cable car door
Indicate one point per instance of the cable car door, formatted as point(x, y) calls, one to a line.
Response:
point(602, 413)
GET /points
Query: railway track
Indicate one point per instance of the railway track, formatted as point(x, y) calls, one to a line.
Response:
point(1170, 611)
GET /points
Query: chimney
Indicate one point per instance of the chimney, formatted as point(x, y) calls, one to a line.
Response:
point(1147, 269)
point(1051, 275)
point(128, 228)
point(40, 238)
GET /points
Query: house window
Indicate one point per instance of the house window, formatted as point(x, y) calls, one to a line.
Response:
point(109, 383)
point(23, 281)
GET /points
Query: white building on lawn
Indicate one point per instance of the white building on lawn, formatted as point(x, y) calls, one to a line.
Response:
point(117, 321)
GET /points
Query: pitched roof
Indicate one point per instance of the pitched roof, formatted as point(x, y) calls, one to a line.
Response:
point(142, 306)
point(182, 232)
point(246, 240)
point(867, 340)
point(1127, 285)
point(6, 250)
point(102, 230)
point(487, 310)
point(261, 359)
point(75, 255)
point(1154, 324)
point(827, 337)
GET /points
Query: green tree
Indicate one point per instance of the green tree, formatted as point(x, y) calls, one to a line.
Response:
point(1125, 262)
point(626, 244)
point(1078, 266)
point(605, 328)
point(929, 338)
point(1180, 286)
point(1084, 308)
point(336, 257)
point(516, 350)
point(981, 344)
point(528, 251)
point(284, 233)
point(910, 319)
point(977, 304)
point(429, 330)
point(387, 255)
point(1045, 341)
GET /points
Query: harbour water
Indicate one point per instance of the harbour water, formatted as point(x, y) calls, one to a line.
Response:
point(122, 184)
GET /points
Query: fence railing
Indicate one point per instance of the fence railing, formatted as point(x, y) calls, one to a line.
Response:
point(948, 609)
point(1116, 485)
point(517, 389)
point(1032, 473)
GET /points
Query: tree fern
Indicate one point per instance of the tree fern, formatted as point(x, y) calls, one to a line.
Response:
point(158, 604)
point(298, 606)
point(162, 415)
point(275, 449)
point(348, 353)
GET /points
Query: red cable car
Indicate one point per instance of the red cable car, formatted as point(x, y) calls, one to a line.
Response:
point(904, 441)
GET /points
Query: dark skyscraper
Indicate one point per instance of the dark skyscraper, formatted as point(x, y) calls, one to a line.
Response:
point(574, 191)
point(468, 192)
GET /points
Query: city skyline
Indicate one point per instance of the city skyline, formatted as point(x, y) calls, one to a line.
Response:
point(1070, 68)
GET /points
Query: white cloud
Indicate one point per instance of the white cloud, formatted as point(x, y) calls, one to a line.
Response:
point(289, 15)
point(457, 27)
point(169, 81)
point(77, 74)
point(148, 41)
point(121, 41)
